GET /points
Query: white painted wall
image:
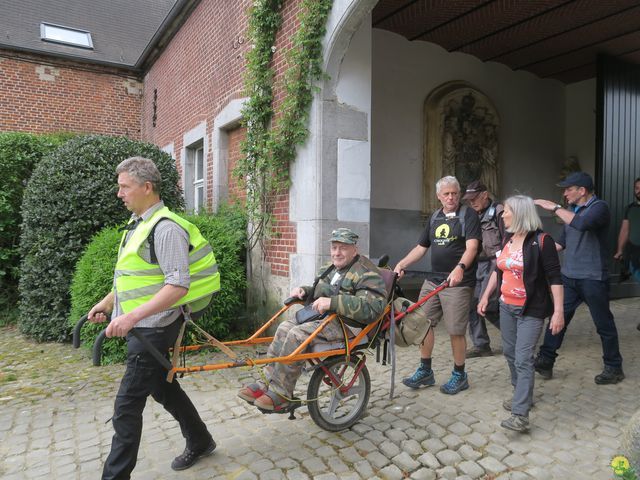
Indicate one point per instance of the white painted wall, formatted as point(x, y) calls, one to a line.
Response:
point(531, 115)
point(580, 124)
point(532, 130)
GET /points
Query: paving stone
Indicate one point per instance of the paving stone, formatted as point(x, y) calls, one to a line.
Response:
point(514, 461)
point(260, 466)
point(428, 459)
point(459, 429)
point(297, 475)
point(472, 469)
point(449, 473)
point(452, 441)
point(314, 465)
point(396, 435)
point(448, 457)
point(496, 451)
point(337, 465)
point(469, 453)
point(491, 465)
point(389, 449)
point(365, 446)
point(326, 476)
point(377, 459)
point(364, 469)
point(412, 447)
point(423, 474)
point(405, 462)
point(538, 459)
point(391, 472)
point(476, 440)
point(433, 445)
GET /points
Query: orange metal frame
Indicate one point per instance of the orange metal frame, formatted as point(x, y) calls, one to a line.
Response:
point(295, 356)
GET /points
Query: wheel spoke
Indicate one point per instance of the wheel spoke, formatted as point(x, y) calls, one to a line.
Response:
point(356, 390)
point(333, 404)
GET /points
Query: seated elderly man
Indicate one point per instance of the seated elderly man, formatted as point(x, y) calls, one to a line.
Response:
point(350, 286)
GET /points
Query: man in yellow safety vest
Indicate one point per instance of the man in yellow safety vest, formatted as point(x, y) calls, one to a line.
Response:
point(164, 264)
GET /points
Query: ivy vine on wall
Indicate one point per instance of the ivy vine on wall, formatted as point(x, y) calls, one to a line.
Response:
point(273, 136)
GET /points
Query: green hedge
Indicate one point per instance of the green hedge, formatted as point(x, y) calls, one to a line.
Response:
point(19, 153)
point(226, 233)
point(70, 197)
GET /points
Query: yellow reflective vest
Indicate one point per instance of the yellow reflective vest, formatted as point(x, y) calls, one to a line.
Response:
point(137, 281)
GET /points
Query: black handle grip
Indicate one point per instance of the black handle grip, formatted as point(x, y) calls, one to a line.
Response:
point(291, 300)
point(97, 348)
point(383, 261)
point(76, 331)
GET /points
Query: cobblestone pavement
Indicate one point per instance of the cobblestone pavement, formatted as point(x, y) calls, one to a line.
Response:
point(54, 411)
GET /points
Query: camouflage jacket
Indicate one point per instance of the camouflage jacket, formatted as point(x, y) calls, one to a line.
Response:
point(362, 295)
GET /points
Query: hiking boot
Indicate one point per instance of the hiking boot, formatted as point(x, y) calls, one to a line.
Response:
point(457, 382)
point(609, 375)
point(189, 457)
point(517, 423)
point(506, 404)
point(422, 377)
point(544, 367)
point(475, 352)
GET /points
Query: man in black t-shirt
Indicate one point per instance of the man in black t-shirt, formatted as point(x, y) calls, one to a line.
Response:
point(453, 235)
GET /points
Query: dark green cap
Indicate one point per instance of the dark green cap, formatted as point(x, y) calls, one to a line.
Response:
point(344, 235)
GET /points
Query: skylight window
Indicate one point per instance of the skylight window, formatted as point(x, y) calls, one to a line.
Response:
point(65, 35)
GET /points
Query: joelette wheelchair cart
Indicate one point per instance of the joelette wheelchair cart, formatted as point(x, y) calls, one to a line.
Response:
point(340, 385)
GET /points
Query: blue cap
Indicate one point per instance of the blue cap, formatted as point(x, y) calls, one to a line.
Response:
point(577, 179)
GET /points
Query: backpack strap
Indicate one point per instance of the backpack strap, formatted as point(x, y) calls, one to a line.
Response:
point(461, 218)
point(541, 237)
point(151, 239)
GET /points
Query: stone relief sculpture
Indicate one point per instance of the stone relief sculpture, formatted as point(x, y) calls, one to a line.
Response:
point(461, 139)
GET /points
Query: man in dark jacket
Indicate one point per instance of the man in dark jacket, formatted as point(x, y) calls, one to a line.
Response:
point(492, 226)
point(584, 274)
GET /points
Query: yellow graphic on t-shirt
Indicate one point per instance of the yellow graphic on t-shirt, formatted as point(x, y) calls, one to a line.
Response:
point(442, 231)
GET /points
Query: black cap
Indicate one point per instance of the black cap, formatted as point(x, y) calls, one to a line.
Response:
point(577, 179)
point(474, 189)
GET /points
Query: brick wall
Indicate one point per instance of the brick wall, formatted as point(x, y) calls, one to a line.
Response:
point(196, 76)
point(39, 95)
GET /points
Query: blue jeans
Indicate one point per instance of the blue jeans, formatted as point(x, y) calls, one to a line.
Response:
point(595, 294)
point(520, 333)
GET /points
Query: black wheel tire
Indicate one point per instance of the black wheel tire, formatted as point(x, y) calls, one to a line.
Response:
point(331, 409)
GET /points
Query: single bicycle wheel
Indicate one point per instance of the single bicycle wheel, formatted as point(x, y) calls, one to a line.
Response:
point(335, 408)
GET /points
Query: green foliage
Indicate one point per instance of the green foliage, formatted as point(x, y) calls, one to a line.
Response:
point(226, 231)
point(19, 153)
point(268, 152)
point(69, 198)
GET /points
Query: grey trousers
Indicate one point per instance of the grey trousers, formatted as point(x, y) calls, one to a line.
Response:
point(519, 337)
point(477, 326)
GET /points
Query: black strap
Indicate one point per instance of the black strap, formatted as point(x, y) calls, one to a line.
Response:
point(151, 239)
point(462, 213)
